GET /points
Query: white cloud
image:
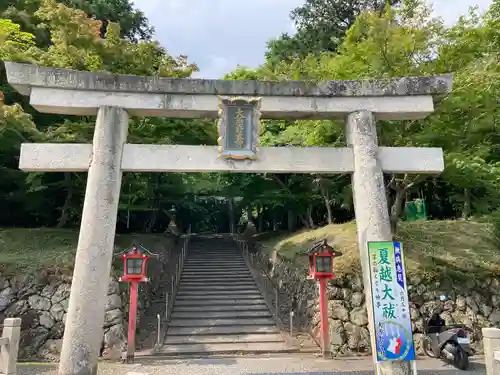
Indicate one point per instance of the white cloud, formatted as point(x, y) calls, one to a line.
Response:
point(451, 10)
point(219, 34)
point(217, 66)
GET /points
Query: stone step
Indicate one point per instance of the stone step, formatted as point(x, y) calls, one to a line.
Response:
point(214, 255)
point(227, 270)
point(230, 287)
point(218, 266)
point(217, 272)
point(220, 330)
point(255, 295)
point(217, 286)
point(252, 306)
point(217, 249)
point(202, 314)
point(224, 348)
point(219, 297)
point(214, 264)
point(217, 275)
point(238, 260)
point(202, 303)
point(215, 258)
point(221, 322)
point(211, 257)
point(220, 274)
point(231, 275)
point(216, 339)
point(215, 279)
point(219, 246)
point(208, 277)
point(210, 294)
point(207, 284)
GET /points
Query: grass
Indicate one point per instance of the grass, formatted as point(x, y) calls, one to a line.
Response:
point(434, 250)
point(49, 250)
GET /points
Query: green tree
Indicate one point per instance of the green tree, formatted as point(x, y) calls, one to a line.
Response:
point(321, 26)
point(133, 24)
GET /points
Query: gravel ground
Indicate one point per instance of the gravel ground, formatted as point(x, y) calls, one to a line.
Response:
point(250, 366)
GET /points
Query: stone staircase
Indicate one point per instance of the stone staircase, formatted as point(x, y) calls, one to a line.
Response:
point(219, 309)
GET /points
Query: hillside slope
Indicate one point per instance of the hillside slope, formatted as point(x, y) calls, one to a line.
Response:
point(35, 250)
point(433, 249)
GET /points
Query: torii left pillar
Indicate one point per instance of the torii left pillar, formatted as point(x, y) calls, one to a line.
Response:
point(85, 318)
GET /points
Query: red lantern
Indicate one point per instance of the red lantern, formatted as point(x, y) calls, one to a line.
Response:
point(321, 257)
point(135, 262)
point(134, 265)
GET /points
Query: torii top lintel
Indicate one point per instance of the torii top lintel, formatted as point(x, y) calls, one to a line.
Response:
point(25, 76)
point(64, 91)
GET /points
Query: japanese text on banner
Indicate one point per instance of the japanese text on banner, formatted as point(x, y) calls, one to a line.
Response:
point(390, 302)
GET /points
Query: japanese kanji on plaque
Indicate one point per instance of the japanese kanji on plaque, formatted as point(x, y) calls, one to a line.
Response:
point(391, 311)
point(239, 127)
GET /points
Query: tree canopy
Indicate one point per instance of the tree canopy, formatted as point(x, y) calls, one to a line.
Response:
point(362, 39)
point(321, 26)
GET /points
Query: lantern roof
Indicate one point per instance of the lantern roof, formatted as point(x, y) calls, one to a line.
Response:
point(139, 247)
point(320, 247)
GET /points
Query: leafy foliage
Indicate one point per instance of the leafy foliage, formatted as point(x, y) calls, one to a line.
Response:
point(348, 39)
point(321, 26)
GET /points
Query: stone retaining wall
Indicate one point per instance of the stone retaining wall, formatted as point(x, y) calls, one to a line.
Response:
point(475, 303)
point(43, 306)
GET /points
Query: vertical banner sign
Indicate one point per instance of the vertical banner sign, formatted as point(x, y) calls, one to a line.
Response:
point(391, 311)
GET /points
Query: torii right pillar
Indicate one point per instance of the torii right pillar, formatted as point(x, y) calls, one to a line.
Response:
point(372, 215)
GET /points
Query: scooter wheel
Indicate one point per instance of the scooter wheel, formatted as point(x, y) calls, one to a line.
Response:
point(427, 347)
point(461, 358)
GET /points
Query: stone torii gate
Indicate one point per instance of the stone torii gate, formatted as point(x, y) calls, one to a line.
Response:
point(239, 104)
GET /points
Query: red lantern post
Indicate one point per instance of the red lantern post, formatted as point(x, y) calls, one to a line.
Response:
point(134, 272)
point(321, 257)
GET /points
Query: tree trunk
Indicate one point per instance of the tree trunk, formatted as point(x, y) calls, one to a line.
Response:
point(155, 205)
point(275, 221)
point(309, 216)
point(249, 214)
point(467, 204)
point(400, 187)
point(63, 219)
point(260, 210)
point(397, 208)
point(230, 203)
point(291, 221)
point(328, 206)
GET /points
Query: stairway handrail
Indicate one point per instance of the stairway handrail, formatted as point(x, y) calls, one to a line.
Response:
point(176, 277)
point(243, 245)
point(244, 248)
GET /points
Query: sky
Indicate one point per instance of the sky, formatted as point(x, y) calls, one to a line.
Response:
point(218, 35)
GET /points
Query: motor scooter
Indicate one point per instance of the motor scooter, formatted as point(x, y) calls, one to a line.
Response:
point(449, 342)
